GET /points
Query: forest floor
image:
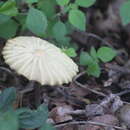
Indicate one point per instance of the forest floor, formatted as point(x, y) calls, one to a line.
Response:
point(87, 103)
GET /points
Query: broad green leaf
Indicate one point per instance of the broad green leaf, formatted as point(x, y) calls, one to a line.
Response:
point(125, 16)
point(64, 42)
point(36, 21)
point(62, 2)
point(47, 126)
point(31, 1)
point(7, 97)
point(92, 66)
point(85, 59)
point(49, 30)
point(59, 33)
point(4, 18)
point(73, 6)
point(1, 3)
point(48, 7)
point(94, 69)
point(70, 28)
point(106, 54)
point(18, 2)
point(9, 121)
point(93, 53)
point(85, 3)
point(8, 29)
point(59, 30)
point(9, 8)
point(69, 7)
point(32, 119)
point(70, 52)
point(77, 19)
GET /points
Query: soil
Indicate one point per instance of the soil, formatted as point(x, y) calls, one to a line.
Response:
point(87, 103)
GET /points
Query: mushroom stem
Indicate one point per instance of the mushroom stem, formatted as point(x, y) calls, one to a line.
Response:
point(37, 94)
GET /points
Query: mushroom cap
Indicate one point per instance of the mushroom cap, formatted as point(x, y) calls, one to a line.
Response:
point(39, 60)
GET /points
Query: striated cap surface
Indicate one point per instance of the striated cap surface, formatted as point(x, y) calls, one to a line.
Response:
point(39, 60)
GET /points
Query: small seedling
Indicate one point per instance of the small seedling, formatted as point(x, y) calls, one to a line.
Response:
point(92, 59)
point(70, 52)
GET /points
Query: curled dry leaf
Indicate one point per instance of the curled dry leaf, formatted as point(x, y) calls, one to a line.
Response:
point(61, 113)
point(39, 60)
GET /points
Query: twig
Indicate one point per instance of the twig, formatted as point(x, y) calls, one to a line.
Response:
point(123, 92)
point(88, 122)
point(86, 34)
point(77, 112)
point(86, 86)
point(99, 38)
point(6, 69)
point(37, 94)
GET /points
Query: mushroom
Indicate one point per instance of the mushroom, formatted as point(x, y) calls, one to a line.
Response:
point(39, 60)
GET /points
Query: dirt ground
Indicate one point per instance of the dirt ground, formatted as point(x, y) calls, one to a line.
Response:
point(87, 103)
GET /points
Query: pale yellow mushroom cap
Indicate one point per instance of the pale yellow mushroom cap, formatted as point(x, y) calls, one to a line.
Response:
point(39, 60)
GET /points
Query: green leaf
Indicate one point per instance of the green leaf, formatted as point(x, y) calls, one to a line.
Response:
point(48, 7)
point(1, 3)
point(36, 21)
point(85, 59)
point(93, 53)
point(32, 119)
point(125, 16)
point(77, 19)
point(18, 2)
point(106, 54)
point(69, 7)
point(92, 66)
point(70, 52)
point(47, 126)
point(94, 69)
point(4, 18)
point(21, 19)
point(8, 121)
point(64, 42)
point(8, 29)
point(59, 33)
point(49, 31)
point(7, 97)
point(59, 30)
point(62, 2)
point(31, 1)
point(9, 8)
point(85, 3)
point(70, 28)
point(72, 6)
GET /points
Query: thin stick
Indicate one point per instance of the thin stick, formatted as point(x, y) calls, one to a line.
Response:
point(86, 86)
point(99, 38)
point(89, 122)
